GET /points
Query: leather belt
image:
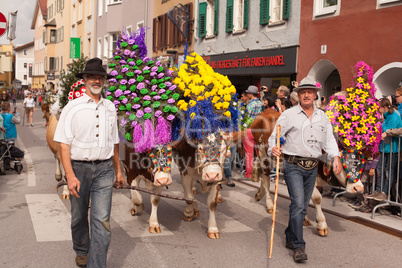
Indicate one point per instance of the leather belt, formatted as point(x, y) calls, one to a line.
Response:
point(306, 163)
point(93, 162)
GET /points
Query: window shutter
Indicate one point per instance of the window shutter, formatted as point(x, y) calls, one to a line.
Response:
point(202, 19)
point(286, 5)
point(154, 26)
point(216, 17)
point(229, 16)
point(171, 33)
point(245, 16)
point(45, 64)
point(264, 12)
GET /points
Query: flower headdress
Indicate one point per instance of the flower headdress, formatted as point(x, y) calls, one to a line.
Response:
point(209, 98)
point(355, 116)
point(142, 93)
point(77, 90)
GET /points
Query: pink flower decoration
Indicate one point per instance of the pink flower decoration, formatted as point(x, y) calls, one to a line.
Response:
point(170, 117)
point(158, 113)
point(139, 113)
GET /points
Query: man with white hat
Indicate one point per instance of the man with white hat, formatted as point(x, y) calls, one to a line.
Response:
point(254, 107)
point(306, 131)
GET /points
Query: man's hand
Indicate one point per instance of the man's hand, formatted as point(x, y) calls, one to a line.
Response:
point(120, 180)
point(74, 186)
point(276, 151)
point(337, 165)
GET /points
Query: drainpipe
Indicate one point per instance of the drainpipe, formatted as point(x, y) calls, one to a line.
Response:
point(146, 23)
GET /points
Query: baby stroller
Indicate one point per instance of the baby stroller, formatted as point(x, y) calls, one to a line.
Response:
point(11, 154)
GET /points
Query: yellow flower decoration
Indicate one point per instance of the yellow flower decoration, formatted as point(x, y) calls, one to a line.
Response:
point(192, 103)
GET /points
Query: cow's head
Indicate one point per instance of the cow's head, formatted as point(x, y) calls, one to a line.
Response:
point(353, 163)
point(162, 164)
point(211, 157)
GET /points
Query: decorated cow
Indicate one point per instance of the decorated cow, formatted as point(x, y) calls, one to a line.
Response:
point(200, 133)
point(144, 97)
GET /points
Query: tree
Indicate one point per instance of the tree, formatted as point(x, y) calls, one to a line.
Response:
point(68, 78)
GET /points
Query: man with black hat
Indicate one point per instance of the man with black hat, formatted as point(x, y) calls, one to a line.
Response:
point(306, 131)
point(89, 145)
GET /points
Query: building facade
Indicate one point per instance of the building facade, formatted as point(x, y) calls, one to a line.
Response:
point(6, 66)
point(335, 35)
point(252, 42)
point(24, 64)
point(115, 16)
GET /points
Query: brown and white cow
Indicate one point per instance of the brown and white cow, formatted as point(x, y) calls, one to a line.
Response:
point(262, 128)
point(203, 161)
point(154, 168)
point(55, 148)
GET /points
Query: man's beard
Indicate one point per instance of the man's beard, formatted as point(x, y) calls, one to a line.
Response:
point(95, 91)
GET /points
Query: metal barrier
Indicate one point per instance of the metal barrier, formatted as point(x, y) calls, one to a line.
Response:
point(390, 169)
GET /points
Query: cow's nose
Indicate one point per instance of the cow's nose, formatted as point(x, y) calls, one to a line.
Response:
point(164, 181)
point(211, 177)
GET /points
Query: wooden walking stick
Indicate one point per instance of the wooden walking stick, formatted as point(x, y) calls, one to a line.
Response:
point(278, 144)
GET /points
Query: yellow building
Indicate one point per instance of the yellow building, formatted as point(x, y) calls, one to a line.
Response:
point(6, 71)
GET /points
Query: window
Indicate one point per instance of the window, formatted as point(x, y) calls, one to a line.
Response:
point(139, 25)
point(79, 11)
point(25, 77)
point(44, 37)
point(52, 64)
point(324, 7)
point(381, 2)
point(114, 2)
point(99, 48)
point(52, 36)
point(25, 65)
point(106, 46)
point(237, 15)
point(25, 52)
point(208, 18)
point(100, 7)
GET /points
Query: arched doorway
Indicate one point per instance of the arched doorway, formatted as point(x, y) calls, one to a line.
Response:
point(387, 79)
point(326, 73)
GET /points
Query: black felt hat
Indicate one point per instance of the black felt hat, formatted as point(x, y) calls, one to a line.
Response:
point(94, 66)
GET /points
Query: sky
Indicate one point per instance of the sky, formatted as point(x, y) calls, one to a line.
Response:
point(25, 8)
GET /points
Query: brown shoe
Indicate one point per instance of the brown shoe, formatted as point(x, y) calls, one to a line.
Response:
point(81, 261)
point(289, 245)
point(371, 196)
point(229, 182)
point(299, 255)
point(381, 197)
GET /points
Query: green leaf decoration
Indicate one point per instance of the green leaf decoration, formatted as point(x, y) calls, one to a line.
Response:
point(131, 117)
point(144, 91)
point(146, 103)
point(147, 116)
point(140, 78)
point(156, 104)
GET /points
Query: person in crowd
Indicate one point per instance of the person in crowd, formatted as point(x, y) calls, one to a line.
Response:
point(269, 101)
point(254, 107)
point(263, 91)
point(294, 99)
point(283, 92)
point(227, 170)
point(9, 121)
point(29, 104)
point(388, 159)
point(282, 104)
point(398, 98)
point(14, 96)
point(89, 145)
point(302, 129)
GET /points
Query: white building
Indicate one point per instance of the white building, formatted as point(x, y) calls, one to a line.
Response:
point(24, 60)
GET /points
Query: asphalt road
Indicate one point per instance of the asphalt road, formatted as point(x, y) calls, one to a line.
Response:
point(35, 226)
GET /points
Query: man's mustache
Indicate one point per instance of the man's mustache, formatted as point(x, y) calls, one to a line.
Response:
point(99, 85)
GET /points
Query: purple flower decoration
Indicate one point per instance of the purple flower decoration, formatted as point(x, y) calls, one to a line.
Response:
point(126, 100)
point(128, 113)
point(130, 42)
point(148, 110)
point(123, 36)
point(154, 87)
point(138, 72)
point(168, 84)
point(134, 95)
point(146, 59)
point(147, 82)
point(114, 73)
point(125, 69)
point(147, 68)
point(127, 52)
point(133, 124)
point(154, 69)
point(131, 81)
point(161, 75)
point(123, 122)
point(161, 91)
point(140, 86)
point(170, 101)
point(123, 81)
point(131, 63)
point(115, 102)
point(152, 74)
point(127, 92)
point(118, 93)
point(158, 113)
point(123, 62)
point(157, 97)
point(108, 93)
point(170, 117)
point(136, 106)
point(139, 113)
point(158, 63)
point(172, 87)
point(169, 72)
point(112, 80)
point(147, 97)
point(132, 54)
